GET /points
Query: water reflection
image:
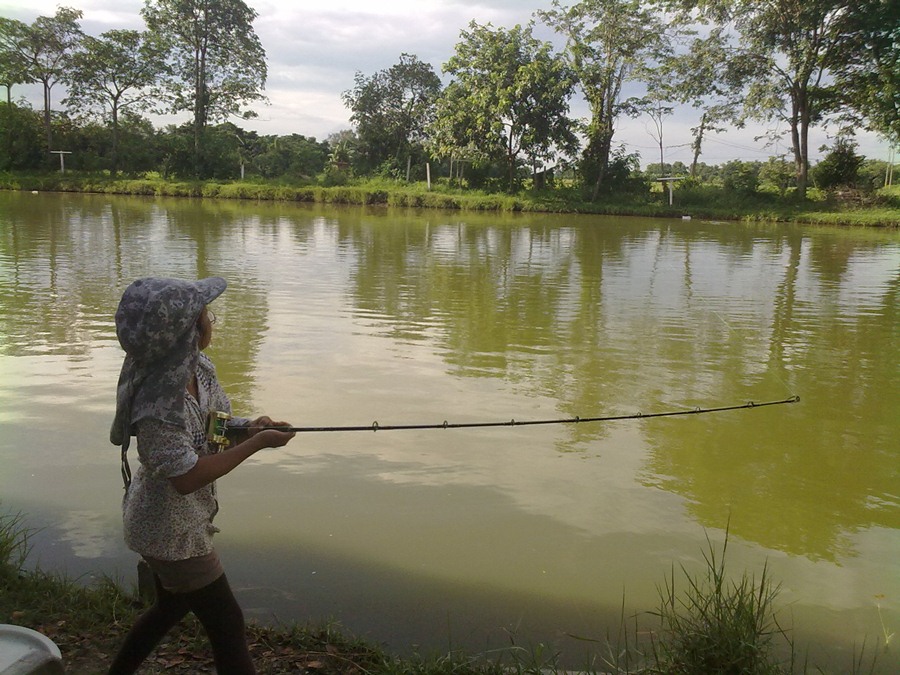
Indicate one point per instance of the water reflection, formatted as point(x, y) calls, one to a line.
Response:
point(88, 533)
point(348, 316)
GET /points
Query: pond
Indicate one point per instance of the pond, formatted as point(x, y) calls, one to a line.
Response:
point(480, 537)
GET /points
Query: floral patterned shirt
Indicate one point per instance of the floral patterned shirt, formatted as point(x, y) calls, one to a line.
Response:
point(159, 522)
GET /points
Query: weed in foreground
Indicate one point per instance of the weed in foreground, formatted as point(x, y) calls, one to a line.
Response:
point(13, 543)
point(716, 625)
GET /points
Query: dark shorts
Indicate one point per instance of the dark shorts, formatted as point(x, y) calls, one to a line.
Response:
point(183, 576)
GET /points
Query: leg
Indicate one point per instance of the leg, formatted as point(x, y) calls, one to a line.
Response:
point(149, 629)
point(221, 616)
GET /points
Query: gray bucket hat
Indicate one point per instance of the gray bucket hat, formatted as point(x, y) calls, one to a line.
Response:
point(156, 325)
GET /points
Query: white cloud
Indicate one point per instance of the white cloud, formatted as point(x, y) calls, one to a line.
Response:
point(314, 50)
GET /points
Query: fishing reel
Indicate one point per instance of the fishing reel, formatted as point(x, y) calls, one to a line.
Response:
point(217, 429)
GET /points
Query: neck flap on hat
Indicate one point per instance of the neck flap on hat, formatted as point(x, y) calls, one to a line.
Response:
point(156, 323)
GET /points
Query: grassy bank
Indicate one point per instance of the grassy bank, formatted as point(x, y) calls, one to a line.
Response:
point(705, 624)
point(881, 209)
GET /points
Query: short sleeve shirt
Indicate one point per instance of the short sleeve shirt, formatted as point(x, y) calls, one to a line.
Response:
point(159, 522)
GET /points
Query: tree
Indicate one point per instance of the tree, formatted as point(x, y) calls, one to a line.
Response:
point(509, 97)
point(292, 156)
point(706, 77)
point(343, 146)
point(740, 177)
point(777, 172)
point(114, 73)
point(217, 62)
point(786, 48)
point(139, 144)
point(867, 70)
point(392, 110)
point(12, 72)
point(606, 42)
point(12, 65)
point(654, 106)
point(840, 167)
point(43, 51)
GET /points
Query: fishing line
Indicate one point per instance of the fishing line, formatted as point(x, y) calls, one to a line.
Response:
point(218, 428)
point(731, 329)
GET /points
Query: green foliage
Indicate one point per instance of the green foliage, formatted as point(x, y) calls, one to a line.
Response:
point(623, 176)
point(638, 196)
point(13, 62)
point(392, 111)
point(20, 139)
point(217, 62)
point(840, 167)
point(221, 157)
point(607, 42)
point(867, 68)
point(740, 177)
point(509, 98)
point(335, 175)
point(783, 53)
point(41, 52)
point(778, 174)
point(112, 76)
point(291, 157)
point(872, 174)
point(139, 145)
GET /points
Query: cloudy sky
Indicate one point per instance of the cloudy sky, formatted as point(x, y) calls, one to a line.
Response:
point(314, 48)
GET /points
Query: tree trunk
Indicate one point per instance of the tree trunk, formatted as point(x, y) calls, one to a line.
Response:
point(604, 145)
point(800, 140)
point(510, 160)
point(803, 173)
point(114, 169)
point(200, 103)
point(698, 142)
point(48, 129)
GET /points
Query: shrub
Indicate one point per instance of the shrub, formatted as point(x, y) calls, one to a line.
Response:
point(335, 176)
point(741, 177)
point(778, 173)
point(840, 167)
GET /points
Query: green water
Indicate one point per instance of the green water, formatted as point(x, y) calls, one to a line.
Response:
point(463, 537)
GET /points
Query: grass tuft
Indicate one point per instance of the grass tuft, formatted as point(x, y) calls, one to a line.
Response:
point(716, 625)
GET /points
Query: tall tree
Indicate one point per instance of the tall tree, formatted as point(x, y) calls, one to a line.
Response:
point(607, 41)
point(654, 105)
point(218, 63)
point(787, 48)
point(704, 76)
point(115, 73)
point(392, 110)
point(44, 50)
point(509, 96)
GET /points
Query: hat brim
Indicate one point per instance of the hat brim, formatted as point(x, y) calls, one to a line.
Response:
point(210, 288)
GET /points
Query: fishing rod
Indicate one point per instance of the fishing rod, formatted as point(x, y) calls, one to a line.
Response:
point(218, 428)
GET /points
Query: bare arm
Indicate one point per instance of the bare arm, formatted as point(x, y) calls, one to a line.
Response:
point(211, 467)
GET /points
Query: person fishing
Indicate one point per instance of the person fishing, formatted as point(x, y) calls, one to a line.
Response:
point(166, 390)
